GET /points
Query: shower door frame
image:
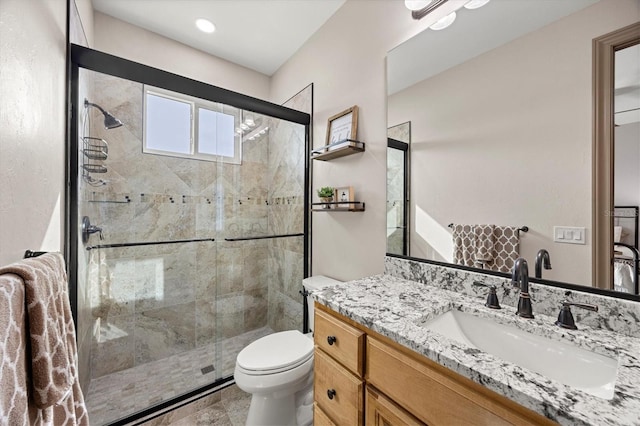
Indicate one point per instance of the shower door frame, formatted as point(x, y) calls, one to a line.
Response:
point(93, 60)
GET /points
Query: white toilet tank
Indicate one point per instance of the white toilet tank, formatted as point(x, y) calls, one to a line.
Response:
point(314, 283)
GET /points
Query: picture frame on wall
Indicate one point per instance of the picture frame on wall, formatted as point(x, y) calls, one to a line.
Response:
point(342, 127)
point(344, 193)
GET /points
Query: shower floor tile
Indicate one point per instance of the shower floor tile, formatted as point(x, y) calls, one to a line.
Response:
point(121, 394)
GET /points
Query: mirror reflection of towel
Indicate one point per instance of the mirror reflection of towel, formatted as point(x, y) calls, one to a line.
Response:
point(473, 245)
point(463, 243)
point(483, 244)
point(622, 277)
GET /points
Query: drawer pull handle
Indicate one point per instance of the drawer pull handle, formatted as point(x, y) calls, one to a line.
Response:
point(331, 393)
point(331, 340)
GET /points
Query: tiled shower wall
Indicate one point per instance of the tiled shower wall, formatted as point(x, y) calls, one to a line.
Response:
point(286, 255)
point(150, 302)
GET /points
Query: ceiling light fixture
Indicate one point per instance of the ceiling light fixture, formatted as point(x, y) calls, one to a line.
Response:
point(428, 6)
point(205, 25)
point(475, 4)
point(416, 4)
point(443, 23)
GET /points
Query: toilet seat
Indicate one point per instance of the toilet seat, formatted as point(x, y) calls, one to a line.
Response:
point(275, 353)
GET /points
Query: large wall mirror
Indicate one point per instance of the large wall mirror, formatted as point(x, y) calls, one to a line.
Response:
point(502, 132)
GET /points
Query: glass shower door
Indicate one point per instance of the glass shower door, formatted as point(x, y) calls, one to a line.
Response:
point(190, 261)
point(146, 302)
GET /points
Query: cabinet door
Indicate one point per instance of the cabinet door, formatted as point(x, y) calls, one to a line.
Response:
point(320, 418)
point(381, 411)
point(337, 391)
point(439, 396)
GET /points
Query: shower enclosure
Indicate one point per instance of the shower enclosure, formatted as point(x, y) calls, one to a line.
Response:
point(189, 231)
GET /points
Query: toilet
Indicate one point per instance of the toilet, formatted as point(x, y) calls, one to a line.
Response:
point(277, 370)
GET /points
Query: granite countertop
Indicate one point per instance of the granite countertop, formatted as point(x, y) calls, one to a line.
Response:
point(396, 307)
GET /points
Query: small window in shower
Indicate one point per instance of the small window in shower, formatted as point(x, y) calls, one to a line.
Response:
point(216, 135)
point(178, 125)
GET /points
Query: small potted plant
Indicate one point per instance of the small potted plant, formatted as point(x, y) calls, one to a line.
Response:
point(326, 194)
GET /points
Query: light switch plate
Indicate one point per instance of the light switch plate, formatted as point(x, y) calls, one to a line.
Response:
point(569, 234)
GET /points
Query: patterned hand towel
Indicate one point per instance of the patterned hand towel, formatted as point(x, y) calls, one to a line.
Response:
point(506, 245)
point(54, 377)
point(468, 248)
point(463, 245)
point(14, 392)
point(483, 245)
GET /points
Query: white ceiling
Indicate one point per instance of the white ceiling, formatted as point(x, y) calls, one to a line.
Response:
point(472, 33)
point(258, 34)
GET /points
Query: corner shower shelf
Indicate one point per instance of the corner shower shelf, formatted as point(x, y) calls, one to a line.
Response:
point(355, 206)
point(337, 150)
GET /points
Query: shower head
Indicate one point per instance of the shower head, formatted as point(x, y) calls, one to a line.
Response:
point(110, 122)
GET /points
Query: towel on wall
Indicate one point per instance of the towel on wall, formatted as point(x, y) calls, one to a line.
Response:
point(486, 246)
point(506, 247)
point(14, 393)
point(483, 245)
point(623, 276)
point(53, 384)
point(463, 245)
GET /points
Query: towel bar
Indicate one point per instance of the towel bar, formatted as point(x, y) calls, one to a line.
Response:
point(30, 253)
point(523, 228)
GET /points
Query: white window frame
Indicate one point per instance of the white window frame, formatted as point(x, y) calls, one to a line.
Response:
point(195, 105)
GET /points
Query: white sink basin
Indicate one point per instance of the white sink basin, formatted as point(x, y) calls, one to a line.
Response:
point(566, 363)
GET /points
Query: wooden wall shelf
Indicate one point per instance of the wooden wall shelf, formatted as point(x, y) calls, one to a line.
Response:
point(354, 206)
point(337, 150)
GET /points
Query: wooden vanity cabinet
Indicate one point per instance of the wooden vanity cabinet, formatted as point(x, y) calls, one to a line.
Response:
point(338, 384)
point(402, 386)
point(381, 411)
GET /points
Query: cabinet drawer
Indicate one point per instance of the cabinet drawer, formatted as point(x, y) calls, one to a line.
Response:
point(337, 391)
point(340, 340)
point(381, 411)
point(438, 396)
point(320, 418)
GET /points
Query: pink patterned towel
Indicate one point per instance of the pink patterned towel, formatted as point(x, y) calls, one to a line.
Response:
point(54, 377)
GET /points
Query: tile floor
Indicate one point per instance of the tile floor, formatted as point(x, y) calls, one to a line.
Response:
point(121, 394)
point(228, 407)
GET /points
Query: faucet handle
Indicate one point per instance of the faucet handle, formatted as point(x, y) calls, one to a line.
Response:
point(587, 306)
point(492, 297)
point(565, 317)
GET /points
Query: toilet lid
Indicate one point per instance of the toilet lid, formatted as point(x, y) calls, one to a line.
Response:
point(279, 351)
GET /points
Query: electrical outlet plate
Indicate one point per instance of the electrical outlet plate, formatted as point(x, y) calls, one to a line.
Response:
point(569, 234)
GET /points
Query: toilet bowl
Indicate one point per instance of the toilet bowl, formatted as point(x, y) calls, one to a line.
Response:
point(277, 370)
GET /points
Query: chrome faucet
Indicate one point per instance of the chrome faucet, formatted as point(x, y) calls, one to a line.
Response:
point(542, 259)
point(520, 278)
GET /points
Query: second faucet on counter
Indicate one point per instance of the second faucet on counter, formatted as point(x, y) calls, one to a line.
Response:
point(520, 278)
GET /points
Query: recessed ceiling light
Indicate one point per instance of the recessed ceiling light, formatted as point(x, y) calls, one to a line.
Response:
point(474, 4)
point(205, 25)
point(443, 23)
